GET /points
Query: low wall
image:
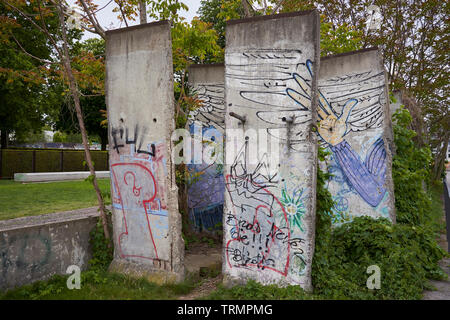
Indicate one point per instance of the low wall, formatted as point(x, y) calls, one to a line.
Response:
point(38, 247)
point(57, 176)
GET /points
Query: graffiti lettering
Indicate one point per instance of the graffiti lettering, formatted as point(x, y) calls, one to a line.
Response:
point(140, 193)
point(256, 230)
point(136, 140)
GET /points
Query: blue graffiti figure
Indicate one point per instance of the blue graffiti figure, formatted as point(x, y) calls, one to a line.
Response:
point(367, 177)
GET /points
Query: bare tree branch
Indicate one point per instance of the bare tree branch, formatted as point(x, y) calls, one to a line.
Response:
point(90, 95)
point(85, 17)
point(91, 16)
point(103, 7)
point(52, 40)
point(279, 4)
point(246, 7)
point(65, 58)
point(29, 54)
point(89, 30)
point(119, 3)
point(142, 11)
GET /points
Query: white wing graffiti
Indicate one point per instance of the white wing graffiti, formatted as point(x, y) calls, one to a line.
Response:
point(212, 111)
point(262, 78)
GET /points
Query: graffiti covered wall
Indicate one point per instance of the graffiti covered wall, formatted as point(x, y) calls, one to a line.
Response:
point(269, 212)
point(147, 226)
point(206, 184)
point(355, 127)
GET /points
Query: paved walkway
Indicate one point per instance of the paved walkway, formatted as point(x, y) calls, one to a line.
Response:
point(202, 256)
point(443, 287)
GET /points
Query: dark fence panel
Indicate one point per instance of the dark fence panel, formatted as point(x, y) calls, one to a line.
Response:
point(73, 161)
point(16, 161)
point(48, 160)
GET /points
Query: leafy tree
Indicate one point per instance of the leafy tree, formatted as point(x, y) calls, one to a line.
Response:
point(217, 12)
point(411, 167)
point(338, 39)
point(89, 67)
point(192, 43)
point(201, 44)
point(334, 39)
point(413, 37)
point(41, 16)
point(26, 96)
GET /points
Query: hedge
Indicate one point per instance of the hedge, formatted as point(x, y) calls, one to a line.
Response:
point(48, 160)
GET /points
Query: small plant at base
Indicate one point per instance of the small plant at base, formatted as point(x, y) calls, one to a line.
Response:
point(102, 249)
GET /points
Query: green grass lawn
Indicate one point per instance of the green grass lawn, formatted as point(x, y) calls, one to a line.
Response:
point(101, 286)
point(28, 199)
point(18, 199)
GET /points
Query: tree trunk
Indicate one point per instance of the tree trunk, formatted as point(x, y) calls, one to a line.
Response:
point(74, 92)
point(246, 7)
point(440, 157)
point(417, 123)
point(183, 203)
point(142, 12)
point(4, 138)
point(103, 141)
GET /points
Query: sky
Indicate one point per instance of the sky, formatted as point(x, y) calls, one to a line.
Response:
point(108, 19)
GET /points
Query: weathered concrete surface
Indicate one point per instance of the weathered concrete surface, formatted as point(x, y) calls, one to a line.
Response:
point(205, 194)
point(139, 96)
point(57, 176)
point(38, 247)
point(269, 215)
point(355, 127)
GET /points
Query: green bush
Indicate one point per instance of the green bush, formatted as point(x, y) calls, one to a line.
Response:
point(407, 252)
point(407, 256)
point(256, 291)
point(411, 170)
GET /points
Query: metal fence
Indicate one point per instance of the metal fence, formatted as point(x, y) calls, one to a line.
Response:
point(48, 160)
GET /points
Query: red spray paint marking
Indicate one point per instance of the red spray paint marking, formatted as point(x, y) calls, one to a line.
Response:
point(144, 204)
point(259, 264)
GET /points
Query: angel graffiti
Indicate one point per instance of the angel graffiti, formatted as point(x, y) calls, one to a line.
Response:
point(366, 177)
